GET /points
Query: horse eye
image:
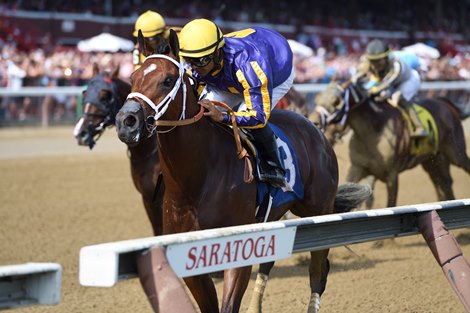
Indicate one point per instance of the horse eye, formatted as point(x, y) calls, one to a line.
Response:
point(105, 95)
point(168, 82)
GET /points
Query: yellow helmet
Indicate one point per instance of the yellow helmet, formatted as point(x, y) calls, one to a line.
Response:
point(199, 38)
point(151, 23)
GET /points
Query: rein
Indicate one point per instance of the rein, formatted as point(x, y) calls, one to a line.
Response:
point(162, 107)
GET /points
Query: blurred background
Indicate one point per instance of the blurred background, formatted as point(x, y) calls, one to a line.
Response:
point(43, 72)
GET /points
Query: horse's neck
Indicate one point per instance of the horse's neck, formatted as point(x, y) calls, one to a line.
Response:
point(146, 149)
point(123, 88)
point(369, 118)
point(191, 154)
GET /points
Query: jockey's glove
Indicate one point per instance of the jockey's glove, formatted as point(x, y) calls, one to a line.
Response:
point(374, 91)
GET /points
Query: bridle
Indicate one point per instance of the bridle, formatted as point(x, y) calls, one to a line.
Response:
point(163, 105)
point(106, 110)
point(340, 115)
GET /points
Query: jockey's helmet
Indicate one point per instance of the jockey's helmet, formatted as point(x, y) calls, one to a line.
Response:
point(378, 54)
point(377, 49)
point(200, 38)
point(150, 23)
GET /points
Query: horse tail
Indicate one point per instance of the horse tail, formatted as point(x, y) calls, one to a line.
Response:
point(350, 196)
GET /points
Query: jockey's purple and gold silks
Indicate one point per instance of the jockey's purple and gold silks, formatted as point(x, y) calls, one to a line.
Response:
point(256, 60)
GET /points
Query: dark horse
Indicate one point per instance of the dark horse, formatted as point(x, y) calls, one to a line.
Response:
point(102, 99)
point(381, 147)
point(294, 101)
point(204, 179)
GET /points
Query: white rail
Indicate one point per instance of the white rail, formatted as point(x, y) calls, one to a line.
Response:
point(193, 253)
point(29, 284)
point(305, 88)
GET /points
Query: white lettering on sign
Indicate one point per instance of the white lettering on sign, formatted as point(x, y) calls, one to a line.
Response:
point(211, 255)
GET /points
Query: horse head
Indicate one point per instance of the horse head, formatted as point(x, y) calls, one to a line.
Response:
point(102, 99)
point(334, 104)
point(158, 83)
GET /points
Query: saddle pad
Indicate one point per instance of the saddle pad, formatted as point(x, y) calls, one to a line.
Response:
point(269, 196)
point(428, 144)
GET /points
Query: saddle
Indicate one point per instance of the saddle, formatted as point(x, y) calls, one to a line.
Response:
point(267, 196)
point(423, 145)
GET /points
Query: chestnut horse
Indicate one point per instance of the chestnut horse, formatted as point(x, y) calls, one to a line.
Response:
point(102, 99)
point(204, 179)
point(380, 147)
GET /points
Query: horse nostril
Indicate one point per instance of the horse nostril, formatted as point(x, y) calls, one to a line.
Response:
point(129, 121)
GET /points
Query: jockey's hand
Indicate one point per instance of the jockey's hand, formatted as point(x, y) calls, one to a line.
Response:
point(381, 96)
point(373, 91)
point(212, 111)
point(384, 94)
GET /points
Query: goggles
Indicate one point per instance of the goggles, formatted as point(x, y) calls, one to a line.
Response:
point(199, 62)
point(154, 39)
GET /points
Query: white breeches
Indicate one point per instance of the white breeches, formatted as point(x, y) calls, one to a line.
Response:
point(410, 87)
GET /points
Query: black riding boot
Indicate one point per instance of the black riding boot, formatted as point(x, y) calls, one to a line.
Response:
point(419, 130)
point(265, 141)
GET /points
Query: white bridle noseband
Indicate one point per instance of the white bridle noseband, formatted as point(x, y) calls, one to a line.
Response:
point(161, 107)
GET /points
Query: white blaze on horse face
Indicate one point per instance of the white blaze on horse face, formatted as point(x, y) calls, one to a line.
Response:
point(152, 67)
point(77, 128)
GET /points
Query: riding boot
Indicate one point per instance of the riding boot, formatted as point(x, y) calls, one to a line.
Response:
point(265, 141)
point(419, 130)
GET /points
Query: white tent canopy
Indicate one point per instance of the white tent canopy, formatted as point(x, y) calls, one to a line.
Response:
point(105, 42)
point(300, 49)
point(423, 51)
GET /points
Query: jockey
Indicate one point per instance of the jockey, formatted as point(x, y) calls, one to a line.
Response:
point(250, 70)
point(155, 34)
point(394, 79)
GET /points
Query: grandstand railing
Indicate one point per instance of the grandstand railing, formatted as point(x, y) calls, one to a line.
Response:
point(309, 89)
point(305, 88)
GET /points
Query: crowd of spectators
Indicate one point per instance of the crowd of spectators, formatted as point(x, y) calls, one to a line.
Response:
point(332, 59)
point(69, 67)
point(352, 14)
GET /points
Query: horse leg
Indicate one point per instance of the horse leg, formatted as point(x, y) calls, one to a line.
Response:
point(438, 169)
point(154, 214)
point(371, 182)
point(392, 190)
point(235, 284)
point(318, 270)
point(260, 286)
point(355, 174)
point(203, 290)
point(455, 151)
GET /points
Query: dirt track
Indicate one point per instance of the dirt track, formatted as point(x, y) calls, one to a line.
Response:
point(57, 197)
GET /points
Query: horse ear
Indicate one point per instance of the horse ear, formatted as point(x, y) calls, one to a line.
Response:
point(115, 71)
point(96, 69)
point(141, 41)
point(174, 43)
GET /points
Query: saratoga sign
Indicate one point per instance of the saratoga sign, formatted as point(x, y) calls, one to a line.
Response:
point(212, 255)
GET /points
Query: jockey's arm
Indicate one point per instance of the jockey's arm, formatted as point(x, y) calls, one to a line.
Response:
point(257, 93)
point(388, 80)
